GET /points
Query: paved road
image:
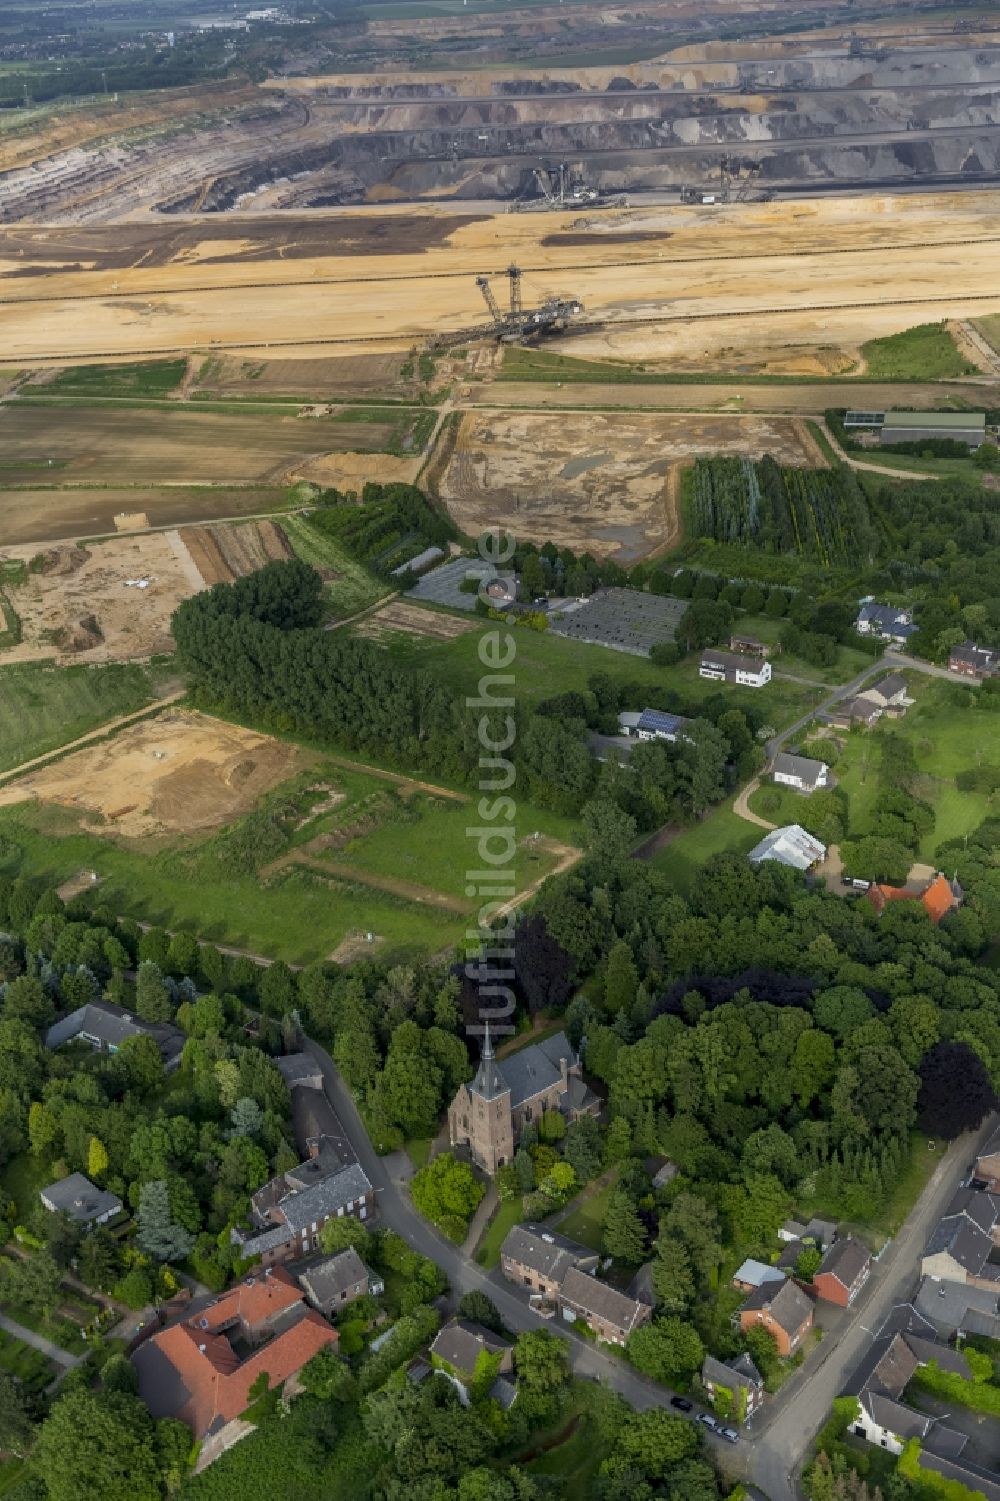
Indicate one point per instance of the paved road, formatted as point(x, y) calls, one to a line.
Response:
point(781, 1441)
point(39, 1342)
point(804, 1403)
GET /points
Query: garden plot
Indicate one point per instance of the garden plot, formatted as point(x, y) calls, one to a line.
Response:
point(411, 620)
point(623, 619)
point(597, 482)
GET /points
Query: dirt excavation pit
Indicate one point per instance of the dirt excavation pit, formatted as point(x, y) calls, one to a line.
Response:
point(606, 483)
point(351, 471)
point(105, 602)
point(176, 774)
point(224, 553)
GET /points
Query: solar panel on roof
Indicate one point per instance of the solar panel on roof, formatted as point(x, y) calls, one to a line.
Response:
point(654, 719)
point(864, 419)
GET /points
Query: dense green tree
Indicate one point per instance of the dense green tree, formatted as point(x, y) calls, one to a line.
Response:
point(624, 1233)
point(33, 1281)
point(668, 1349)
point(152, 999)
point(98, 1447)
point(446, 1190)
point(343, 1232)
point(672, 1275)
point(158, 1233)
point(655, 1441)
point(17, 1432)
point(621, 979)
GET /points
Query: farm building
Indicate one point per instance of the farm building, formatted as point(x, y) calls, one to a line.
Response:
point(790, 846)
point(913, 427)
point(801, 772)
point(728, 667)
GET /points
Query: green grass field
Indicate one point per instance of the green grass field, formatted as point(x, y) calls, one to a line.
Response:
point(151, 378)
point(43, 707)
point(507, 1216)
point(287, 910)
point(352, 588)
point(721, 830)
point(848, 664)
point(989, 327)
point(546, 664)
point(585, 1223)
point(927, 352)
point(29, 1365)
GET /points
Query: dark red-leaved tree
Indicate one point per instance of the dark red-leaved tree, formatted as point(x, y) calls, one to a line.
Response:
point(956, 1092)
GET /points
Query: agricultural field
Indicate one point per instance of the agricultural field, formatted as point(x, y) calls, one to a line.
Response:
point(400, 618)
point(43, 708)
point(31, 514)
point(378, 376)
point(147, 378)
point(258, 843)
point(595, 482)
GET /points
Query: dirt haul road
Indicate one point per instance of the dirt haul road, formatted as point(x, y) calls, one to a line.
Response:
point(782, 273)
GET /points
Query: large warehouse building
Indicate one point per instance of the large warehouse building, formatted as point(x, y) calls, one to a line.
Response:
point(914, 427)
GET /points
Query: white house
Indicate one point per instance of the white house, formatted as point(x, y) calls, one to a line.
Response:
point(800, 772)
point(729, 667)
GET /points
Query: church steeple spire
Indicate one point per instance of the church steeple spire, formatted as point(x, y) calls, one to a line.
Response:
point(489, 1082)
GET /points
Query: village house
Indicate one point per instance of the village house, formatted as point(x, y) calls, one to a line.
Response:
point(951, 1306)
point(488, 1114)
point(83, 1201)
point(611, 1315)
point(988, 1163)
point(888, 622)
point(731, 667)
point(938, 897)
point(800, 772)
point(733, 1384)
point(849, 712)
point(559, 1274)
point(653, 724)
point(201, 1369)
point(974, 661)
point(888, 695)
point(785, 1312)
point(963, 1242)
point(539, 1259)
point(843, 1272)
point(104, 1027)
point(791, 846)
point(337, 1280)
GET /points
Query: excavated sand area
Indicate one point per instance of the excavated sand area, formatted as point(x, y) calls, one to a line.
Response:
point(176, 774)
point(818, 272)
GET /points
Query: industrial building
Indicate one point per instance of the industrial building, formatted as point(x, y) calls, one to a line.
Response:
point(915, 427)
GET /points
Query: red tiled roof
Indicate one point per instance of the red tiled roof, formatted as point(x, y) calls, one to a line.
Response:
point(937, 898)
point(216, 1382)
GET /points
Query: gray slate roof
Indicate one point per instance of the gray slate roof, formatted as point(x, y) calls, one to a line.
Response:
point(730, 1373)
point(805, 768)
point(314, 1119)
point(732, 661)
point(334, 1275)
point(585, 1292)
point(112, 1025)
point(889, 686)
point(504, 1392)
point(545, 1252)
point(296, 1068)
point(82, 1200)
point(526, 1073)
point(757, 1272)
point(951, 1306)
point(789, 1306)
point(325, 1198)
point(846, 1260)
point(964, 1232)
point(905, 1422)
point(461, 1342)
point(890, 619)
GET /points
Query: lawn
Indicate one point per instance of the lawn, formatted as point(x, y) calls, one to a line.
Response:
point(507, 1216)
point(927, 352)
point(351, 588)
point(151, 378)
point(848, 664)
point(43, 707)
point(573, 1451)
point(546, 664)
point(585, 1222)
point(419, 1150)
point(720, 830)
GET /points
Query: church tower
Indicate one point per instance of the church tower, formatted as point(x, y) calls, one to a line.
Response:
point(480, 1113)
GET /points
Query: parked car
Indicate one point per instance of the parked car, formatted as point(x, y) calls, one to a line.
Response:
point(730, 1434)
point(681, 1403)
point(708, 1420)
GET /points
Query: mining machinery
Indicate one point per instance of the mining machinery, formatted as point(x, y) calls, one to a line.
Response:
point(736, 177)
point(516, 324)
point(561, 187)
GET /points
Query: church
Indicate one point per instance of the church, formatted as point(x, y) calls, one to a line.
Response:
point(489, 1114)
